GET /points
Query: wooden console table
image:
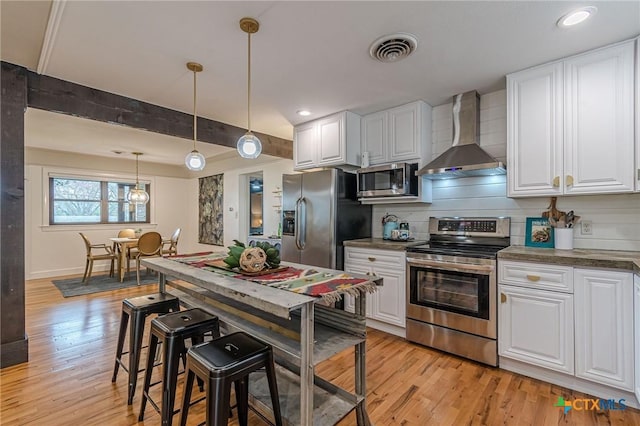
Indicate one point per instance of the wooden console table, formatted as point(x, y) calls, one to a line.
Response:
point(302, 331)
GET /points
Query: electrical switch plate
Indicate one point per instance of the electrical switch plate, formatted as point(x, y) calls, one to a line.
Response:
point(586, 227)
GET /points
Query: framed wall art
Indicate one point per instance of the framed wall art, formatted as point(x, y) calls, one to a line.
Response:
point(211, 224)
point(538, 233)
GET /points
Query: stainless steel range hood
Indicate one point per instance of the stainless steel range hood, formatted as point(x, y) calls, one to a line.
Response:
point(465, 157)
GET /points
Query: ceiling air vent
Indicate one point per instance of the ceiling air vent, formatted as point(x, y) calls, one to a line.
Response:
point(393, 47)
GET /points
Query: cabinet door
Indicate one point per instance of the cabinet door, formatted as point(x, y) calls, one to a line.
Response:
point(534, 131)
point(636, 316)
point(599, 120)
point(388, 304)
point(637, 170)
point(404, 132)
point(536, 327)
point(349, 301)
point(374, 137)
point(604, 327)
point(305, 146)
point(331, 140)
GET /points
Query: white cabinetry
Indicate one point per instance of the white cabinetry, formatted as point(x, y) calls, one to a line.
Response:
point(329, 141)
point(536, 314)
point(386, 308)
point(536, 327)
point(577, 322)
point(570, 125)
point(604, 327)
point(638, 119)
point(400, 134)
point(636, 316)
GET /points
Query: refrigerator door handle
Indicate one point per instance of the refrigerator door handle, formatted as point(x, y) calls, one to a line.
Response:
point(298, 218)
point(302, 236)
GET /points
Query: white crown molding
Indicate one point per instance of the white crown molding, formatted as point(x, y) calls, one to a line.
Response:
point(55, 16)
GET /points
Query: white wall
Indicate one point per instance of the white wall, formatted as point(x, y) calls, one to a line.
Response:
point(59, 250)
point(616, 218)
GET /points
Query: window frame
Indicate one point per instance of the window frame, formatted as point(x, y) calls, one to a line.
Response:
point(104, 179)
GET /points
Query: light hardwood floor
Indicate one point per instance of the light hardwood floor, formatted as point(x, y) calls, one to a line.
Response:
point(67, 380)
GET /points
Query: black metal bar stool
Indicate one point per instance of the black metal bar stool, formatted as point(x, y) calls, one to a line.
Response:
point(172, 330)
point(138, 308)
point(229, 359)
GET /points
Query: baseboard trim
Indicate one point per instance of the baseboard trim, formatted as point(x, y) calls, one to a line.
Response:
point(67, 271)
point(387, 328)
point(569, 381)
point(13, 353)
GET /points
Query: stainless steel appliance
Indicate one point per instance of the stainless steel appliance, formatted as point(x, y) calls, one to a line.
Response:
point(389, 180)
point(465, 157)
point(320, 211)
point(452, 286)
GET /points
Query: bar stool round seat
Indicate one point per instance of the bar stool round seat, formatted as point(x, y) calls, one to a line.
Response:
point(229, 359)
point(172, 330)
point(138, 309)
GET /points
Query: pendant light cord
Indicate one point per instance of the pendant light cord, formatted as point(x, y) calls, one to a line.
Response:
point(195, 119)
point(249, 85)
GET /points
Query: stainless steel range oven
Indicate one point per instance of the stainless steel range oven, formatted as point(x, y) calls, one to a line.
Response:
point(452, 287)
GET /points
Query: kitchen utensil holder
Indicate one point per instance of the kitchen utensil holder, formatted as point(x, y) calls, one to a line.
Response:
point(563, 238)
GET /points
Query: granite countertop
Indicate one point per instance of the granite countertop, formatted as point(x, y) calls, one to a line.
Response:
point(627, 260)
point(379, 243)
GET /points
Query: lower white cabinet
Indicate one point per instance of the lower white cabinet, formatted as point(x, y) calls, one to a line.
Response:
point(536, 326)
point(581, 323)
point(604, 327)
point(387, 306)
point(636, 303)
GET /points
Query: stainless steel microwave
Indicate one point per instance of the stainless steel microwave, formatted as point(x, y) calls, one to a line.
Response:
point(388, 180)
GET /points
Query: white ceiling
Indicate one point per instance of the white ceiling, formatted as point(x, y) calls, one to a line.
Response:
point(306, 55)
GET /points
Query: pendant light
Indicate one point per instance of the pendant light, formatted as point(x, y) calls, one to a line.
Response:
point(249, 146)
point(194, 160)
point(137, 195)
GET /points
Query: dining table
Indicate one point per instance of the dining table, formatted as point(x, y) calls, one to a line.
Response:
point(122, 245)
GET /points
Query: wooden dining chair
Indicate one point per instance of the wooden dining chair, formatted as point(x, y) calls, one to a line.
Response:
point(125, 233)
point(172, 250)
point(92, 256)
point(149, 245)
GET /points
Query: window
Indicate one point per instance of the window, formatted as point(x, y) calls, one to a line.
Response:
point(86, 201)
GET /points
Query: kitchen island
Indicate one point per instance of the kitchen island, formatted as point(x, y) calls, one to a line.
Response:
point(302, 330)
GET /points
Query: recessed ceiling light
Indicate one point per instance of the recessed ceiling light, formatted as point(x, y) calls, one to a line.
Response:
point(304, 112)
point(576, 16)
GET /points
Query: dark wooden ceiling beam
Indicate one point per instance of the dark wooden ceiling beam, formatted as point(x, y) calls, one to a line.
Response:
point(64, 97)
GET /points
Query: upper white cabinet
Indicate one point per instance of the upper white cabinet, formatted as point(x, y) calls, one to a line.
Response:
point(570, 125)
point(604, 327)
point(329, 141)
point(638, 119)
point(398, 134)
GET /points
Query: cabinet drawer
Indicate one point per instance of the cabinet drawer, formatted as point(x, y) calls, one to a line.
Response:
point(388, 259)
point(536, 275)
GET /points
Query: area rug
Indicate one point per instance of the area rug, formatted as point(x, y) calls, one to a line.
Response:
point(74, 287)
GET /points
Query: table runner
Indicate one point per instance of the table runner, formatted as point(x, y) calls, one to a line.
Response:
point(311, 282)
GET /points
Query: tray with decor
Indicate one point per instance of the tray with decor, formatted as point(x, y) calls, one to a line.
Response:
point(219, 263)
point(261, 259)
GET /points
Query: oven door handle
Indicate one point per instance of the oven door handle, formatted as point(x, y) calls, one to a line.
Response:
point(451, 266)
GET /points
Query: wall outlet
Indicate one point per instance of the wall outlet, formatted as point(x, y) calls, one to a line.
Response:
point(586, 227)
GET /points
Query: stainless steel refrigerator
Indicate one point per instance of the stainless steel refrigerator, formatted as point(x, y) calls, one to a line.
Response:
point(319, 212)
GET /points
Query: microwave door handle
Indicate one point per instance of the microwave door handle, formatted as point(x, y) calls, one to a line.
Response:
point(303, 224)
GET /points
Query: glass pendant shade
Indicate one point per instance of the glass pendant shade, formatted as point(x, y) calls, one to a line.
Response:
point(138, 196)
point(249, 146)
point(194, 161)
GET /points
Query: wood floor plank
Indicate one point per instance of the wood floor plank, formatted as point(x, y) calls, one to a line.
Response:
point(67, 380)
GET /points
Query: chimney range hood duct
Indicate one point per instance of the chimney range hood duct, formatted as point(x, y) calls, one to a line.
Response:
point(465, 157)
